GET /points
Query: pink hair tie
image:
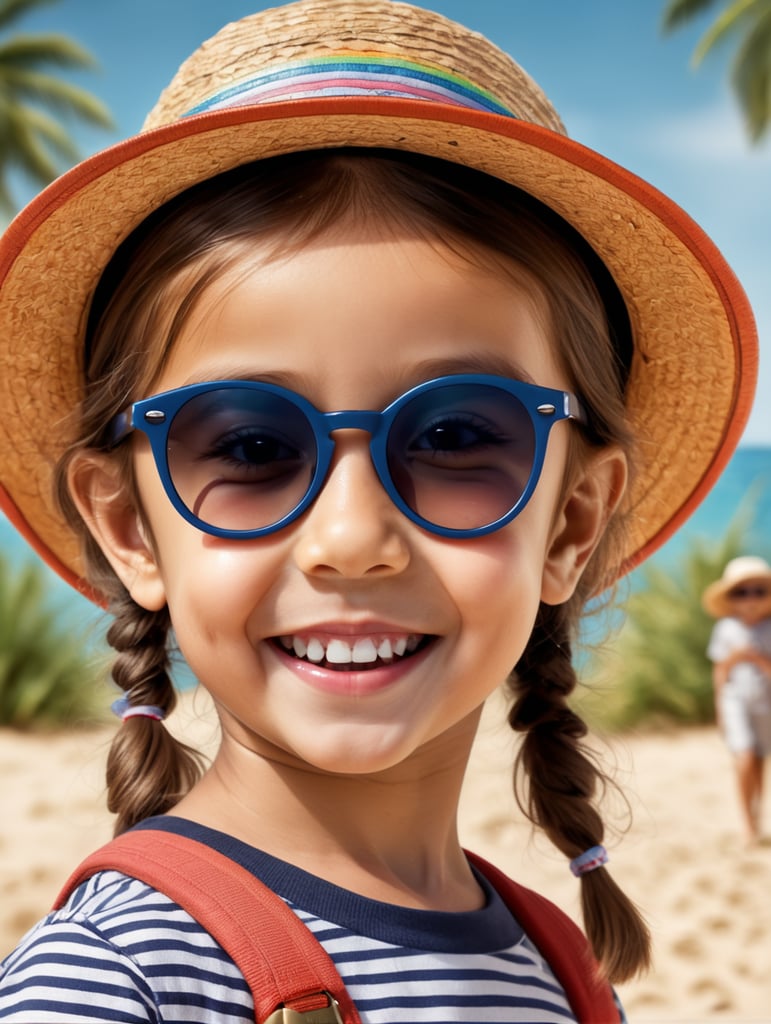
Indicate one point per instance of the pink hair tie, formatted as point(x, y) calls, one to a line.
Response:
point(123, 709)
point(589, 860)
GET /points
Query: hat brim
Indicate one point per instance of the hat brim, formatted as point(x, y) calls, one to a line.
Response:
point(695, 362)
point(715, 600)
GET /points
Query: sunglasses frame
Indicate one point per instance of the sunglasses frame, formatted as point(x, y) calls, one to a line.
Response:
point(154, 417)
point(748, 593)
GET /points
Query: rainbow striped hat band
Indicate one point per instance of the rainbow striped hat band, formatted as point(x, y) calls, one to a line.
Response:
point(354, 74)
point(319, 74)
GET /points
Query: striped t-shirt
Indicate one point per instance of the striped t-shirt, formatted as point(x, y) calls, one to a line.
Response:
point(121, 951)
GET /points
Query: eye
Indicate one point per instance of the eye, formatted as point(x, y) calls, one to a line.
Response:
point(457, 434)
point(254, 453)
point(252, 447)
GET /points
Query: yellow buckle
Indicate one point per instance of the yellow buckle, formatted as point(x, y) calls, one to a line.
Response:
point(329, 1014)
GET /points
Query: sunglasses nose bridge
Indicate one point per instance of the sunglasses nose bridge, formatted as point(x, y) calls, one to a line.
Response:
point(352, 419)
point(369, 422)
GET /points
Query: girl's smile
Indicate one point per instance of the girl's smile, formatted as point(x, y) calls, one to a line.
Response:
point(346, 652)
point(377, 635)
point(352, 663)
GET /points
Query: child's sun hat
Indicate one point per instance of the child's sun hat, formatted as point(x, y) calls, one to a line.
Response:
point(374, 73)
point(744, 571)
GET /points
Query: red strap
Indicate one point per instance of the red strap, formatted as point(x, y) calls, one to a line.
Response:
point(562, 943)
point(282, 962)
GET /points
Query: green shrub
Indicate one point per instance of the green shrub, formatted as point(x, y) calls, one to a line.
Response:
point(48, 675)
point(656, 670)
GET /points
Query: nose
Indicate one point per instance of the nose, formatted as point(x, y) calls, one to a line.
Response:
point(352, 529)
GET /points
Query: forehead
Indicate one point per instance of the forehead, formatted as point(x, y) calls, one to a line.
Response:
point(234, 226)
point(353, 302)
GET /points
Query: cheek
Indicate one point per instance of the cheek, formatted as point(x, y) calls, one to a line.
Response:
point(213, 595)
point(201, 573)
point(497, 591)
point(221, 580)
point(212, 586)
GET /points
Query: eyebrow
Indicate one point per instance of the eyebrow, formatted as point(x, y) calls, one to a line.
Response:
point(473, 362)
point(427, 369)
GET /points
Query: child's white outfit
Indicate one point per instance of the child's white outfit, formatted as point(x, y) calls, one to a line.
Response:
point(120, 943)
point(745, 697)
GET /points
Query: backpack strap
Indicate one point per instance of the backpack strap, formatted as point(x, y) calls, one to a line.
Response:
point(291, 977)
point(562, 943)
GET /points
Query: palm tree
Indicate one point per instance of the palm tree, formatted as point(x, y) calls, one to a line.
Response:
point(750, 20)
point(33, 138)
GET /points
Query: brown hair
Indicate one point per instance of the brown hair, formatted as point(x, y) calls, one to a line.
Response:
point(142, 302)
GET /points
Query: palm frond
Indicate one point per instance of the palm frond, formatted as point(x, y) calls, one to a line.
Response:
point(25, 149)
point(6, 199)
point(11, 10)
point(54, 92)
point(41, 143)
point(53, 48)
point(751, 77)
point(680, 12)
point(726, 23)
point(748, 20)
point(29, 138)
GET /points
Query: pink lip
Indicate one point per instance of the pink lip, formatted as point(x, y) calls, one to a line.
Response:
point(349, 683)
point(352, 629)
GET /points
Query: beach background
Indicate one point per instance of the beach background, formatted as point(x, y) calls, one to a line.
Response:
point(705, 896)
point(675, 841)
point(626, 91)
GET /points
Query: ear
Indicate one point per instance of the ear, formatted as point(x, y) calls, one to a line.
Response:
point(586, 507)
point(112, 517)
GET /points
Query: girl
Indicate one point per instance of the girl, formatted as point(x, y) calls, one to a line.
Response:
point(348, 357)
point(740, 650)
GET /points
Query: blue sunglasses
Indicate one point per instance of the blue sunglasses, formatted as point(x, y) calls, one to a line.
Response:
point(460, 455)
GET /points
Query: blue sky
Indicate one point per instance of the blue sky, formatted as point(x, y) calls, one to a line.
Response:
point(619, 85)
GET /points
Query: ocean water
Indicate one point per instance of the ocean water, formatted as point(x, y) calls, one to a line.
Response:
point(745, 482)
point(747, 478)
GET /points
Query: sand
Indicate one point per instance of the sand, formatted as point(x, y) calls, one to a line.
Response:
point(707, 898)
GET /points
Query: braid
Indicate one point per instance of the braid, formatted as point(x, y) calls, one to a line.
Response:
point(561, 784)
point(148, 770)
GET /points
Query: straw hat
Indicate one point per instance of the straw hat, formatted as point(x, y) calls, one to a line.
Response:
point(747, 569)
point(325, 73)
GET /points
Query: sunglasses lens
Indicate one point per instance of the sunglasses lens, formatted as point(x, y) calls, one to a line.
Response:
point(240, 458)
point(461, 455)
point(747, 593)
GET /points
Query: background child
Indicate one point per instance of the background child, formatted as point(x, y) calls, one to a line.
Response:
point(290, 360)
point(740, 649)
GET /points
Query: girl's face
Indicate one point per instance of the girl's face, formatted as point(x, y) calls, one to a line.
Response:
point(751, 601)
point(351, 323)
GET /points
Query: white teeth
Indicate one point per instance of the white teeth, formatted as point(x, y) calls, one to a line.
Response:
point(364, 651)
point(315, 651)
point(338, 652)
